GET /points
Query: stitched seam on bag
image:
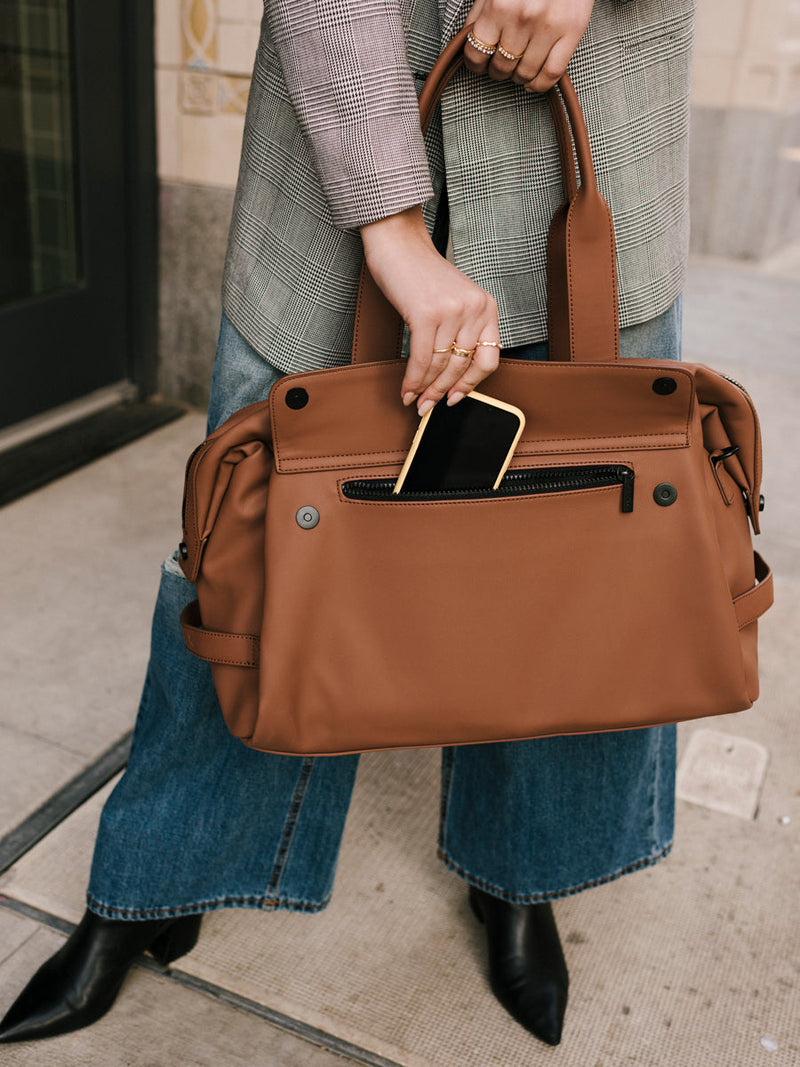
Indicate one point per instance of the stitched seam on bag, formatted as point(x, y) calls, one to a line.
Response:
point(543, 366)
point(248, 660)
point(387, 456)
point(225, 662)
point(247, 639)
point(613, 281)
point(750, 620)
point(238, 638)
point(290, 825)
point(556, 894)
point(370, 367)
point(743, 599)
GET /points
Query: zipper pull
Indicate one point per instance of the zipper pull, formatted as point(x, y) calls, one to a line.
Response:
point(627, 476)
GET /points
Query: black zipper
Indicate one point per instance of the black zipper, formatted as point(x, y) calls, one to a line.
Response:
point(515, 483)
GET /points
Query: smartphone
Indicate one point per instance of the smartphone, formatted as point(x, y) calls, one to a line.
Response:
point(466, 446)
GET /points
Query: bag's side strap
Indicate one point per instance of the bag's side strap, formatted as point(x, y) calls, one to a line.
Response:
point(215, 646)
point(582, 286)
point(752, 604)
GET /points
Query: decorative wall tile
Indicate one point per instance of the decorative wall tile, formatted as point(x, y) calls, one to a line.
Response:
point(199, 93)
point(204, 58)
point(236, 47)
point(233, 94)
point(199, 25)
point(240, 10)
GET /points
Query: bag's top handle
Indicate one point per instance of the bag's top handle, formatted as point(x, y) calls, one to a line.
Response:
point(581, 258)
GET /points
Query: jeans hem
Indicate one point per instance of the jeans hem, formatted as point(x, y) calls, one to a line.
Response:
point(200, 907)
point(555, 894)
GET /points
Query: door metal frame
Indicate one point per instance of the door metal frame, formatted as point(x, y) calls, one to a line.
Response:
point(141, 199)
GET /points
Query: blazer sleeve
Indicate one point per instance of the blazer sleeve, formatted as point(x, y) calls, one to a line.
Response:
point(346, 71)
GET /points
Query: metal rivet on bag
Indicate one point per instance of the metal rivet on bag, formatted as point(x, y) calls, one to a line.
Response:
point(307, 517)
point(183, 548)
point(761, 504)
point(664, 386)
point(296, 399)
point(665, 494)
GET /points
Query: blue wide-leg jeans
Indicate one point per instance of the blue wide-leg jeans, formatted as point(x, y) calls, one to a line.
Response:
point(198, 821)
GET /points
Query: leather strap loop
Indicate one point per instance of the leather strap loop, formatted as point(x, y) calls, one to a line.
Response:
point(582, 279)
point(751, 605)
point(214, 646)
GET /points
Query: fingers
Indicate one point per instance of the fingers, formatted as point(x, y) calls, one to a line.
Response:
point(468, 316)
point(481, 44)
point(483, 363)
point(531, 41)
point(510, 50)
point(429, 354)
point(473, 359)
point(551, 69)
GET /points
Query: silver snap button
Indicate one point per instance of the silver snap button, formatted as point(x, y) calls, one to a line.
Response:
point(307, 517)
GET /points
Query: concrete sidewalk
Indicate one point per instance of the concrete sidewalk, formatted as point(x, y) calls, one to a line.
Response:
point(693, 962)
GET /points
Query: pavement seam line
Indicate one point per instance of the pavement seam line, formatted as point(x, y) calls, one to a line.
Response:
point(315, 1036)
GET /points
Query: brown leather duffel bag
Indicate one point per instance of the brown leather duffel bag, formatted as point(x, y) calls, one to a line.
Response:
point(619, 586)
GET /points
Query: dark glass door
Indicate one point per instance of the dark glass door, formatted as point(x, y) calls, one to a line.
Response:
point(65, 244)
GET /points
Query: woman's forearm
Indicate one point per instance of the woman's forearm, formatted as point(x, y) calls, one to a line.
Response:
point(346, 71)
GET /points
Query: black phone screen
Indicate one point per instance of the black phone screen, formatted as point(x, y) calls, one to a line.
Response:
point(465, 446)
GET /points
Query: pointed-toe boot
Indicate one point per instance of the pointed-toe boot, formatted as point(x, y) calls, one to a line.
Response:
point(527, 970)
point(78, 985)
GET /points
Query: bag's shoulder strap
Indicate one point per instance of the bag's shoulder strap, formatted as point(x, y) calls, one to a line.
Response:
point(581, 256)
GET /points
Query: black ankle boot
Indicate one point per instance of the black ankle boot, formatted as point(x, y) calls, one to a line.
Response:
point(527, 970)
point(78, 985)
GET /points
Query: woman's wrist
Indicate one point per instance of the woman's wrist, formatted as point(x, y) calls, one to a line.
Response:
point(388, 235)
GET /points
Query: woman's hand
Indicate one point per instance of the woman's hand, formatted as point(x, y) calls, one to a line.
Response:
point(441, 306)
point(539, 36)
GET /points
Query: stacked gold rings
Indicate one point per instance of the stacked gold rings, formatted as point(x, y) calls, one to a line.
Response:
point(481, 46)
point(465, 353)
point(490, 49)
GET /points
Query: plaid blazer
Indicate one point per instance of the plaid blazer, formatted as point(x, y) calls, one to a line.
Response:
point(332, 141)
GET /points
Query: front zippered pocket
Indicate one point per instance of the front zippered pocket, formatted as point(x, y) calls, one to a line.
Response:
point(518, 482)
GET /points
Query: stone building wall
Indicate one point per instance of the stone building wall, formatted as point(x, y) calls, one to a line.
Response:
point(204, 58)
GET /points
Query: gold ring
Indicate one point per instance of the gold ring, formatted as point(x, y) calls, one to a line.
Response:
point(488, 344)
point(509, 55)
point(441, 351)
point(481, 46)
point(463, 353)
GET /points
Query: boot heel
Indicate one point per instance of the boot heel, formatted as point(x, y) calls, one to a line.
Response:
point(179, 938)
point(473, 903)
